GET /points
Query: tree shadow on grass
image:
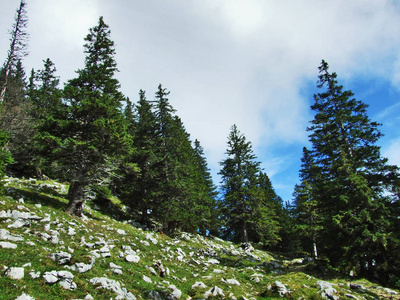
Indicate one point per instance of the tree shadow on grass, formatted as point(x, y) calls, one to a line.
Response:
point(55, 200)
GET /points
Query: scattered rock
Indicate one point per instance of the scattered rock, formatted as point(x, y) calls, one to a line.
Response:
point(132, 258)
point(326, 290)
point(154, 295)
point(19, 223)
point(8, 245)
point(25, 297)
point(15, 273)
point(199, 284)
point(61, 257)
point(175, 293)
point(213, 261)
point(232, 282)
point(121, 232)
point(6, 235)
point(279, 288)
point(114, 286)
point(151, 239)
point(34, 275)
point(214, 291)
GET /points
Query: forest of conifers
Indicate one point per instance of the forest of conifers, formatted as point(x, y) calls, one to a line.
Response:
point(345, 209)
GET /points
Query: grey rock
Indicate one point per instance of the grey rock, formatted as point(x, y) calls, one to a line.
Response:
point(51, 277)
point(15, 272)
point(175, 293)
point(19, 223)
point(327, 291)
point(25, 297)
point(214, 291)
point(154, 295)
point(8, 245)
point(199, 284)
point(34, 275)
point(6, 235)
point(61, 257)
point(213, 261)
point(233, 282)
point(132, 258)
point(279, 288)
point(114, 286)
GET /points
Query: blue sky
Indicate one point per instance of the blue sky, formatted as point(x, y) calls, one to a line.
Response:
point(253, 63)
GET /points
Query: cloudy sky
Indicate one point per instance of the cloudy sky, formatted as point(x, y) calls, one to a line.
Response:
point(252, 63)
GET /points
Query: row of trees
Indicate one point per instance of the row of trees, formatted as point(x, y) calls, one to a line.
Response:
point(92, 136)
point(347, 204)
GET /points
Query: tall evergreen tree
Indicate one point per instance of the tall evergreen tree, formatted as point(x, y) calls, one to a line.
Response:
point(18, 47)
point(47, 108)
point(353, 185)
point(91, 133)
point(239, 178)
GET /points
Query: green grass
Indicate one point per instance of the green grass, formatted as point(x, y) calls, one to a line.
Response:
point(101, 223)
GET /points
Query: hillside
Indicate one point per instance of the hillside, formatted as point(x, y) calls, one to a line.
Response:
point(48, 254)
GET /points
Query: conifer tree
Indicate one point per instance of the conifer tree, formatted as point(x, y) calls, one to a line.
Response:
point(47, 108)
point(353, 185)
point(239, 176)
point(91, 133)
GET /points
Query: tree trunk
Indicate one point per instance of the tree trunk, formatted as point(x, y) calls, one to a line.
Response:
point(245, 236)
point(76, 197)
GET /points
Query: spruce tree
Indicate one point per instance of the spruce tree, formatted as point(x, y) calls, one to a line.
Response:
point(239, 176)
point(47, 108)
point(91, 133)
point(351, 181)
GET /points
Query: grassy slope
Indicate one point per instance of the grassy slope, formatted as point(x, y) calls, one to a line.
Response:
point(48, 199)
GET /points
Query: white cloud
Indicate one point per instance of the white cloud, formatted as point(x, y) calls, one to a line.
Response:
point(392, 152)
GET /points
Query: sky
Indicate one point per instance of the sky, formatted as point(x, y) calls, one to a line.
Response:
point(252, 63)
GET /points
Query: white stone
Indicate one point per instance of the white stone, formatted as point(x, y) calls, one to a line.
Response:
point(121, 232)
point(34, 275)
point(175, 292)
point(213, 261)
point(199, 284)
point(67, 284)
point(147, 279)
point(15, 272)
point(114, 266)
point(132, 258)
point(151, 239)
point(114, 286)
point(233, 282)
point(19, 223)
point(6, 235)
point(71, 231)
point(146, 243)
point(8, 245)
point(25, 297)
point(51, 277)
point(214, 291)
